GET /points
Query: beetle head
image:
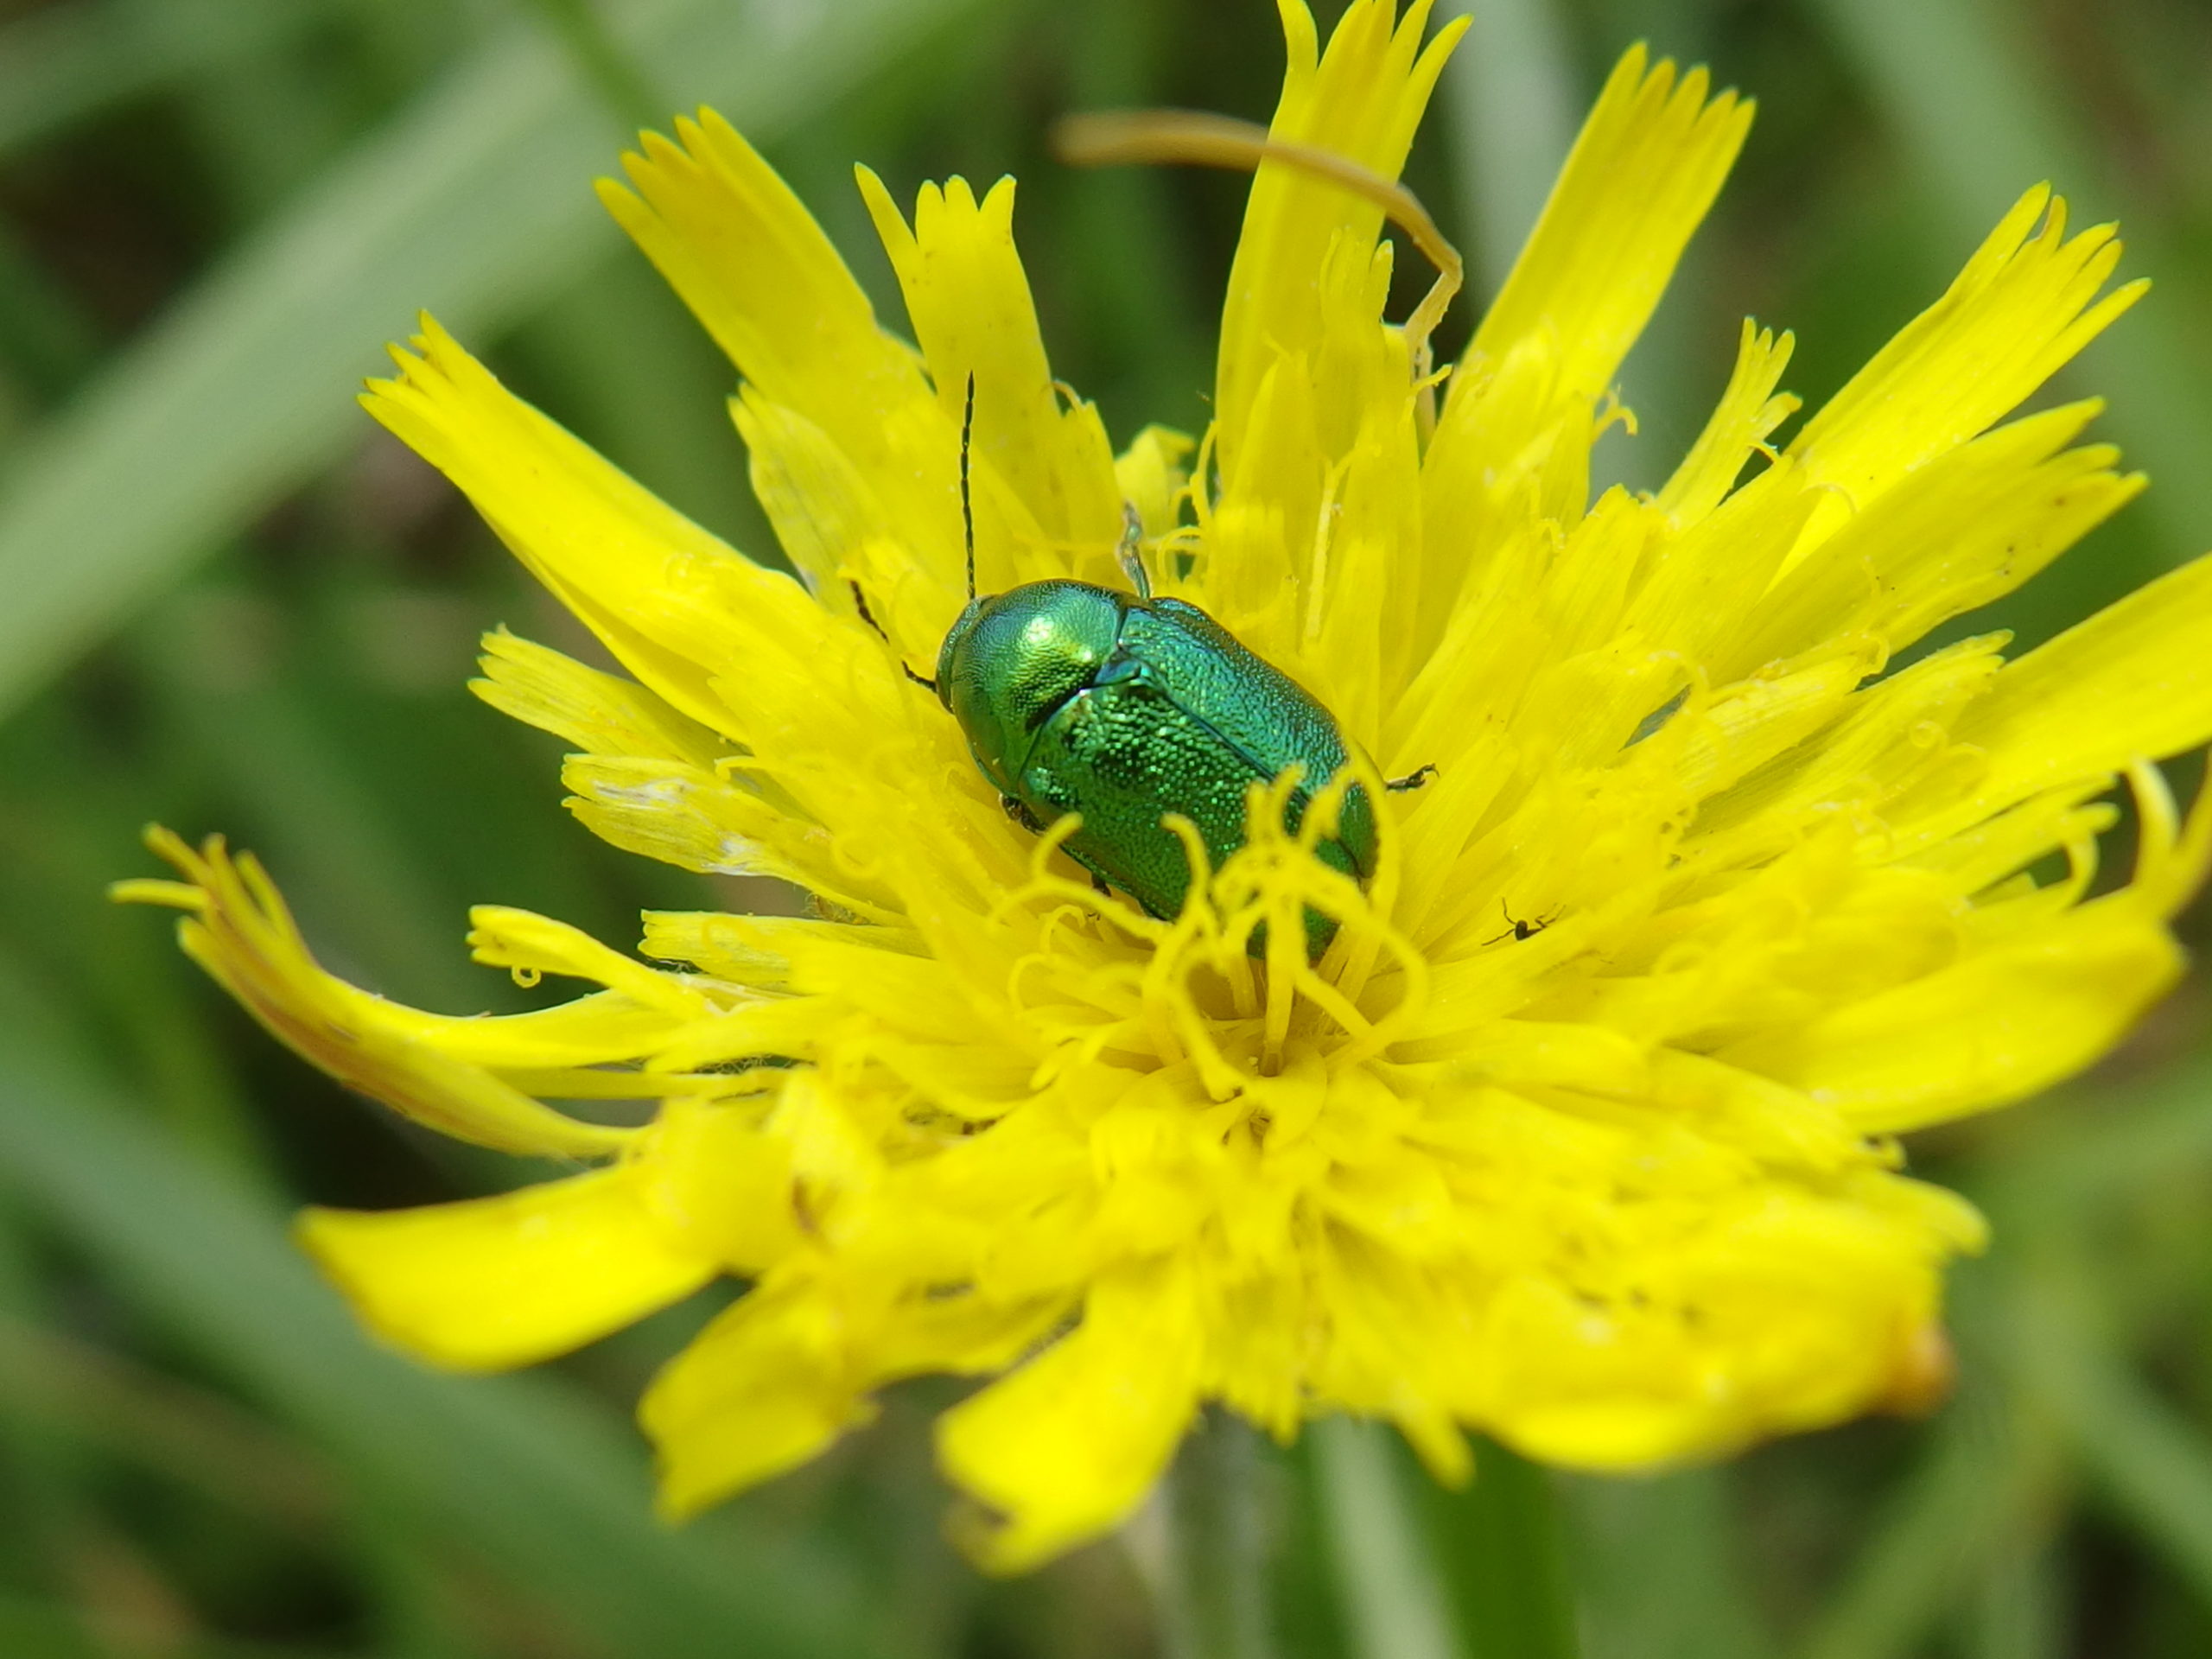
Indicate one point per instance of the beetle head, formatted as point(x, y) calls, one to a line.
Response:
point(1012, 659)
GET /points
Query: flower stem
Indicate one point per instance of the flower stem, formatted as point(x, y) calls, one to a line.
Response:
point(1393, 1601)
point(1425, 1574)
point(1210, 1538)
point(1504, 1551)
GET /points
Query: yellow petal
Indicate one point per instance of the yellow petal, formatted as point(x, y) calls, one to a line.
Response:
point(1361, 100)
point(597, 712)
point(241, 932)
point(601, 1030)
point(1062, 1449)
point(970, 302)
point(753, 949)
point(734, 646)
point(762, 1389)
point(491, 1283)
point(1358, 634)
point(753, 266)
point(1977, 859)
point(744, 650)
point(2025, 303)
point(1261, 533)
point(1151, 474)
point(1645, 170)
point(2129, 681)
point(656, 783)
point(843, 528)
point(722, 1184)
point(616, 554)
point(747, 257)
point(1966, 527)
point(778, 1377)
point(1761, 719)
point(1704, 581)
point(699, 820)
point(523, 942)
point(1783, 1314)
point(1512, 445)
point(1889, 741)
point(1746, 415)
point(1990, 1031)
point(1303, 543)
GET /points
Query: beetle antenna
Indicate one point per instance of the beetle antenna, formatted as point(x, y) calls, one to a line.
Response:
point(1130, 552)
point(860, 604)
point(967, 502)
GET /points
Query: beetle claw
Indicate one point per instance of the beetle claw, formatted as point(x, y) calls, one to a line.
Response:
point(1412, 780)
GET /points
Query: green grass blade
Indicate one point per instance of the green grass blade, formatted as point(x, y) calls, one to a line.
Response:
point(2154, 1464)
point(31, 1629)
point(2020, 1610)
point(1501, 1550)
point(1658, 1563)
point(64, 1388)
point(1935, 1532)
point(520, 1470)
point(1387, 1582)
point(473, 202)
point(1205, 1545)
point(70, 62)
point(2092, 1146)
point(623, 86)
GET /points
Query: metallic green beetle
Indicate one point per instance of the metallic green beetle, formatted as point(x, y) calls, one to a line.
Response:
point(1123, 708)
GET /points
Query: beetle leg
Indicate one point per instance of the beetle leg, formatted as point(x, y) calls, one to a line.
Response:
point(1130, 552)
point(1021, 815)
point(1412, 780)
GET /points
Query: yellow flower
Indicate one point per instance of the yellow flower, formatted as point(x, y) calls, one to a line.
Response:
point(1581, 1132)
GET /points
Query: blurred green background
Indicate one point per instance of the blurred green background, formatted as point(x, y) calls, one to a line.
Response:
point(228, 602)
